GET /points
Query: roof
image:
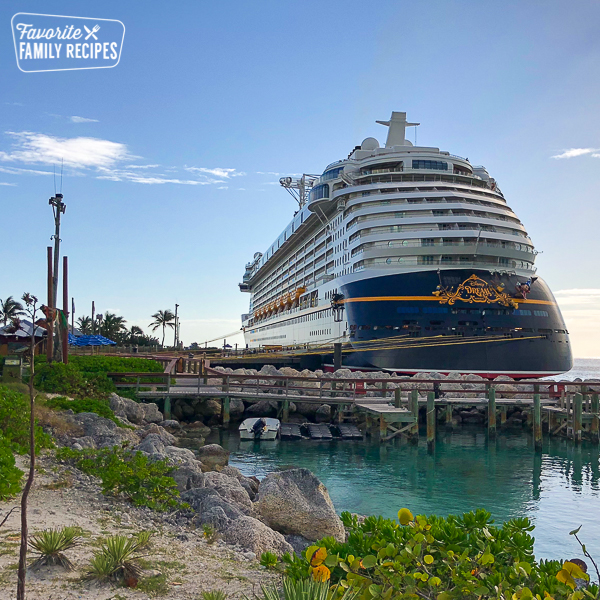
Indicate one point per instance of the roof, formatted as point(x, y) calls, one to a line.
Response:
point(23, 332)
point(90, 340)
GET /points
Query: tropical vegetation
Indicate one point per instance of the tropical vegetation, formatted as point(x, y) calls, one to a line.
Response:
point(163, 319)
point(10, 309)
point(50, 546)
point(437, 558)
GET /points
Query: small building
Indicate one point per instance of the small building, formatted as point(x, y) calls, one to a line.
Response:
point(17, 342)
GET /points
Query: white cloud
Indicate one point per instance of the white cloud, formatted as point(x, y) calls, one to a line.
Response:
point(79, 152)
point(577, 296)
point(223, 187)
point(82, 120)
point(242, 189)
point(216, 172)
point(11, 184)
point(573, 152)
point(149, 179)
point(596, 155)
point(17, 171)
point(142, 166)
point(268, 173)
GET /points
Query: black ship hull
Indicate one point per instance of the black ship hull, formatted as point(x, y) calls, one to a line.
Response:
point(470, 321)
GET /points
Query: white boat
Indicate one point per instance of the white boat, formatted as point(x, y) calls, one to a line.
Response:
point(251, 429)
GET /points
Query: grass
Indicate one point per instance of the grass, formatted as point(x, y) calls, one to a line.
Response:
point(154, 586)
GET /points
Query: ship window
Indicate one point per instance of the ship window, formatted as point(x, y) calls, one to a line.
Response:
point(319, 191)
point(435, 309)
point(427, 242)
point(540, 313)
point(545, 330)
point(407, 309)
point(521, 312)
point(437, 165)
point(332, 174)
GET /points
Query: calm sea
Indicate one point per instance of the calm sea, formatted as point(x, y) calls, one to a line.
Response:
point(558, 489)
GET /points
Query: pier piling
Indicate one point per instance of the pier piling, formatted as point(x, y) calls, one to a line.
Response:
point(448, 415)
point(595, 424)
point(397, 397)
point(430, 421)
point(577, 417)
point(167, 409)
point(503, 415)
point(414, 409)
point(285, 413)
point(537, 421)
point(382, 427)
point(492, 412)
point(226, 410)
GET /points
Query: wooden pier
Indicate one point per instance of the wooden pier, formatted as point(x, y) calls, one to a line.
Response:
point(563, 408)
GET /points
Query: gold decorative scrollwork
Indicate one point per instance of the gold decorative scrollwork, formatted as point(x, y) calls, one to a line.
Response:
point(475, 289)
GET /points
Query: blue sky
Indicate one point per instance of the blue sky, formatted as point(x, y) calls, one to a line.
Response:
point(223, 97)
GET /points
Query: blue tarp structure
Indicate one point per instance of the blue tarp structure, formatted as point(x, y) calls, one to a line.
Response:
point(90, 340)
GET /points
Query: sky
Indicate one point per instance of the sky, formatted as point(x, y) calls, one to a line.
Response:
point(172, 158)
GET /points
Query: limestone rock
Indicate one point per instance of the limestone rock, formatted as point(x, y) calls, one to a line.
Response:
point(262, 408)
point(197, 427)
point(228, 488)
point(236, 408)
point(167, 438)
point(295, 502)
point(100, 432)
point(323, 414)
point(269, 370)
point(126, 408)
point(209, 408)
point(213, 455)
point(151, 413)
point(256, 537)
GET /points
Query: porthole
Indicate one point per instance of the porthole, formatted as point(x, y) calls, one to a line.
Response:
point(388, 261)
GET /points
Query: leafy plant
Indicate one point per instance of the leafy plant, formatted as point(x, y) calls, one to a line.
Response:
point(14, 422)
point(305, 589)
point(10, 475)
point(269, 560)
point(51, 544)
point(118, 558)
point(211, 535)
point(214, 595)
point(67, 379)
point(438, 558)
point(128, 473)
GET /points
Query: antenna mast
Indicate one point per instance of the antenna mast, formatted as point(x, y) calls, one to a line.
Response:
point(299, 187)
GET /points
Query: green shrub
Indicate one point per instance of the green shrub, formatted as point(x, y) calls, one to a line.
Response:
point(10, 475)
point(115, 364)
point(100, 406)
point(51, 544)
point(128, 473)
point(14, 422)
point(118, 558)
point(437, 559)
point(268, 560)
point(58, 378)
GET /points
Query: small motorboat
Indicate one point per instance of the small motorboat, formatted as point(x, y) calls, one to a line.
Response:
point(259, 428)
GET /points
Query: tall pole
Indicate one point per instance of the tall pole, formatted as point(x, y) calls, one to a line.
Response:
point(93, 317)
point(50, 335)
point(58, 208)
point(73, 316)
point(175, 337)
point(65, 339)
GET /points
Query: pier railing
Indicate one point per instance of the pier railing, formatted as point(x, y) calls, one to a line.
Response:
point(563, 407)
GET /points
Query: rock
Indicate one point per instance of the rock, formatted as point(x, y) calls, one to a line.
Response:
point(171, 425)
point(126, 408)
point(167, 438)
point(236, 408)
point(250, 484)
point(269, 370)
point(323, 414)
point(306, 409)
point(153, 446)
point(262, 408)
point(213, 455)
point(197, 427)
point(256, 537)
point(209, 408)
point(203, 499)
point(100, 432)
point(228, 488)
point(151, 413)
point(295, 502)
point(298, 543)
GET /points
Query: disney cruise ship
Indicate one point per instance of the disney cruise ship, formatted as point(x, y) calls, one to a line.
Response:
point(413, 260)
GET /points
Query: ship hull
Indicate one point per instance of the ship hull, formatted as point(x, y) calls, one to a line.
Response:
point(397, 322)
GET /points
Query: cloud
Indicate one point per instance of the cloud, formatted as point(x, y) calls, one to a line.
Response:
point(268, 173)
point(82, 120)
point(150, 179)
point(14, 103)
point(242, 189)
point(216, 172)
point(142, 166)
point(596, 155)
point(573, 152)
point(17, 171)
point(223, 187)
point(577, 296)
point(11, 184)
point(79, 152)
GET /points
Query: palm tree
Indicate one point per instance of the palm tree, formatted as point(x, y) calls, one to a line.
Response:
point(84, 324)
point(134, 333)
point(10, 309)
point(163, 318)
point(113, 325)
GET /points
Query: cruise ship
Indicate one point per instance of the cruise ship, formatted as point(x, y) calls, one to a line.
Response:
point(413, 260)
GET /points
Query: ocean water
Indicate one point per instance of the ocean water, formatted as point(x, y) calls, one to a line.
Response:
point(558, 489)
point(583, 368)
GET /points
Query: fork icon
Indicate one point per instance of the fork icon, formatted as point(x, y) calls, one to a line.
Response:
point(92, 32)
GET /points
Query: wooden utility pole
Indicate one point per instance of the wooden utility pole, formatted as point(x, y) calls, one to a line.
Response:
point(58, 208)
point(176, 332)
point(65, 325)
point(50, 323)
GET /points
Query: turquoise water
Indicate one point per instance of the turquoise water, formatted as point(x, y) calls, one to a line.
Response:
point(558, 489)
